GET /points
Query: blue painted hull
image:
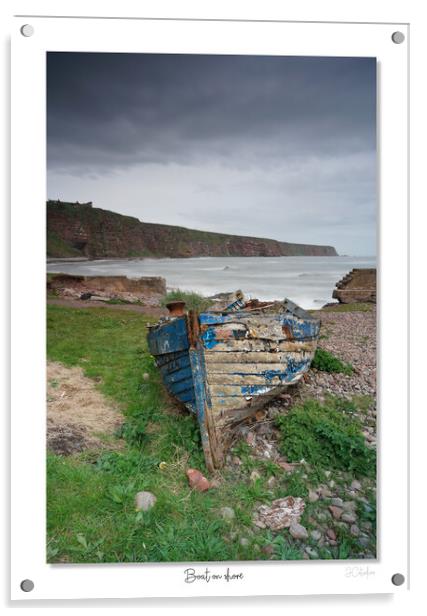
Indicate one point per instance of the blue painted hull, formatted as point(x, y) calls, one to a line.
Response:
point(225, 366)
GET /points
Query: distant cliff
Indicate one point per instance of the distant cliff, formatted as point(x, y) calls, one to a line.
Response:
point(79, 229)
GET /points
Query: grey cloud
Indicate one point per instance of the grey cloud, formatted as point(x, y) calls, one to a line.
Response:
point(271, 146)
point(123, 109)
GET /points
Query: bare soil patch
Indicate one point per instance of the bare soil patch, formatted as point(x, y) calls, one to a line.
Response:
point(79, 417)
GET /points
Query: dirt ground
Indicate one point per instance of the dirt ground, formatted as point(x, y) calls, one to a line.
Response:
point(79, 417)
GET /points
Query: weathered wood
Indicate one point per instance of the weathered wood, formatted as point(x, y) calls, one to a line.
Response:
point(170, 338)
point(261, 345)
point(234, 403)
point(244, 379)
point(227, 366)
point(255, 358)
point(242, 391)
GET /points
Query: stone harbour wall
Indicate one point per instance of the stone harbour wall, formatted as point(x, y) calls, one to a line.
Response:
point(358, 286)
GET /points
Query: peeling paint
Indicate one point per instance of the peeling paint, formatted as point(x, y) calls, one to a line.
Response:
point(209, 338)
point(225, 366)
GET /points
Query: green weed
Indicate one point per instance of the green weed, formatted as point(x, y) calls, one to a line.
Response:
point(193, 300)
point(326, 436)
point(326, 362)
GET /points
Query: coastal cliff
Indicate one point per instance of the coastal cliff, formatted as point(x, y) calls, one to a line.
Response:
point(79, 229)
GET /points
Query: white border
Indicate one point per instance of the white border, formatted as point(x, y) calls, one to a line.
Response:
point(28, 325)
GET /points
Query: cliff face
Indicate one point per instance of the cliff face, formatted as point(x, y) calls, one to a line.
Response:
point(75, 229)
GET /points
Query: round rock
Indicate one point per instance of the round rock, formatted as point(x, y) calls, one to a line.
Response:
point(298, 531)
point(144, 501)
point(227, 513)
point(311, 552)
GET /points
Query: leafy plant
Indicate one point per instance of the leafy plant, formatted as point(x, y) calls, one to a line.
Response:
point(326, 362)
point(326, 436)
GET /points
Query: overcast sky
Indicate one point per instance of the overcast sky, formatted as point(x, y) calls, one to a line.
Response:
point(280, 147)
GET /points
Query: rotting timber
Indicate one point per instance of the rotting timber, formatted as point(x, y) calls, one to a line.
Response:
point(225, 365)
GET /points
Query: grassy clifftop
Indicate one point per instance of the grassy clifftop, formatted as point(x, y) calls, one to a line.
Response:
point(78, 229)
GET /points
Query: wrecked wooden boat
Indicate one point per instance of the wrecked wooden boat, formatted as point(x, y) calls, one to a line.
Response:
point(225, 365)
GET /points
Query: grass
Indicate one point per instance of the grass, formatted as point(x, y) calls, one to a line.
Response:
point(326, 362)
point(91, 516)
point(57, 247)
point(327, 436)
point(193, 300)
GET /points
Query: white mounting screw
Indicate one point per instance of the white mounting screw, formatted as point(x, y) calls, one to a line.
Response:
point(397, 37)
point(27, 585)
point(27, 30)
point(398, 579)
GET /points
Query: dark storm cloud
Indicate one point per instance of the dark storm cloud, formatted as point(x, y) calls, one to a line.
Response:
point(106, 111)
point(279, 147)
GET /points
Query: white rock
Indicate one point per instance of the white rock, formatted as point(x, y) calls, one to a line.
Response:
point(227, 513)
point(144, 501)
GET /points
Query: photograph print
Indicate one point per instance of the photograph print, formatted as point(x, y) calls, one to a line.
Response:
point(211, 308)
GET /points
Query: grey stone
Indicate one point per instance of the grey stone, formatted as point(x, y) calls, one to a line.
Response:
point(298, 531)
point(316, 535)
point(313, 496)
point(144, 501)
point(227, 513)
point(336, 511)
point(244, 542)
point(325, 492)
point(349, 506)
point(356, 485)
point(337, 502)
point(271, 482)
point(364, 541)
point(311, 552)
point(354, 530)
point(349, 517)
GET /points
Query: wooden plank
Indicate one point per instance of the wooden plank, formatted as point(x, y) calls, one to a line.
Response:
point(244, 379)
point(176, 388)
point(223, 332)
point(241, 391)
point(272, 346)
point(168, 337)
point(223, 405)
point(184, 374)
point(272, 326)
point(186, 396)
point(258, 357)
point(177, 360)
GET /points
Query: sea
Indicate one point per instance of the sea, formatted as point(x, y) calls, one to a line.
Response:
point(308, 281)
